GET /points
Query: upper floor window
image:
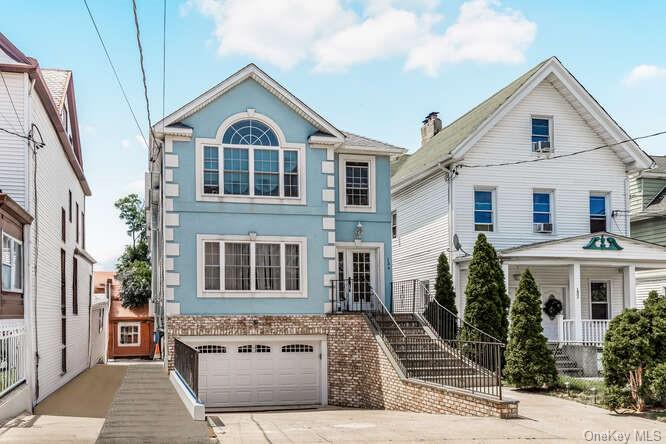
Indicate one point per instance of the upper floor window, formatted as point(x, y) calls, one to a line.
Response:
point(357, 183)
point(542, 134)
point(597, 213)
point(246, 266)
point(394, 224)
point(542, 211)
point(12, 264)
point(484, 217)
point(250, 165)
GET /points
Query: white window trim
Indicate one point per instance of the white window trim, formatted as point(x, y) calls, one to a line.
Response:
point(372, 184)
point(200, 142)
point(13, 289)
point(253, 293)
point(608, 297)
point(607, 200)
point(493, 191)
point(550, 131)
point(129, 324)
point(552, 208)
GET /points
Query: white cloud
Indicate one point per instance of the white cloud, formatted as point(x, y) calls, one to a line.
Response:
point(335, 36)
point(482, 33)
point(125, 143)
point(641, 73)
point(140, 140)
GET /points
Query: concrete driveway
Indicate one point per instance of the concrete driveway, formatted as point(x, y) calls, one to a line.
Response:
point(543, 419)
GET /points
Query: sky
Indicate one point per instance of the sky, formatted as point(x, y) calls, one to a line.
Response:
point(374, 67)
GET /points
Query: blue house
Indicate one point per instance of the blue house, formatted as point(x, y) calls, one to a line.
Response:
point(264, 216)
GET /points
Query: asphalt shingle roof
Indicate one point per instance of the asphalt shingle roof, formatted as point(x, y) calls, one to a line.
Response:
point(56, 81)
point(452, 135)
point(356, 140)
point(661, 164)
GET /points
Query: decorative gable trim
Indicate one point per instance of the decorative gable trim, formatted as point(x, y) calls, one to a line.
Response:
point(253, 72)
point(614, 133)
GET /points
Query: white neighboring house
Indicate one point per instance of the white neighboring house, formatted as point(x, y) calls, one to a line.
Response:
point(51, 344)
point(566, 219)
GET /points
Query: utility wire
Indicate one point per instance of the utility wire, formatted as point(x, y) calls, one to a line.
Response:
point(18, 119)
point(559, 156)
point(29, 137)
point(115, 72)
point(164, 18)
point(143, 77)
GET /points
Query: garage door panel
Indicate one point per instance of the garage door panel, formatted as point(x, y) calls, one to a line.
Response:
point(262, 375)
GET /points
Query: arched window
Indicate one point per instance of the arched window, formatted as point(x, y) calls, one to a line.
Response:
point(250, 132)
point(250, 162)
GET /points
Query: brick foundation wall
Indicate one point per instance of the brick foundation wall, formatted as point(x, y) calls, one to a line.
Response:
point(359, 372)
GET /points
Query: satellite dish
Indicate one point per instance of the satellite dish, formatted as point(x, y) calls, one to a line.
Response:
point(457, 245)
point(456, 242)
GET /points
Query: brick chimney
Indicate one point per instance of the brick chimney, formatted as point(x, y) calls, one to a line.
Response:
point(431, 126)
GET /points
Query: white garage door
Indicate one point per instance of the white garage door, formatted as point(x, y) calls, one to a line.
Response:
point(260, 373)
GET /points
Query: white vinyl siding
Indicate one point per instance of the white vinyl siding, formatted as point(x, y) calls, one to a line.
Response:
point(54, 180)
point(13, 150)
point(422, 229)
point(514, 184)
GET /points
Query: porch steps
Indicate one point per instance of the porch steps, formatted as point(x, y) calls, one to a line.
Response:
point(565, 364)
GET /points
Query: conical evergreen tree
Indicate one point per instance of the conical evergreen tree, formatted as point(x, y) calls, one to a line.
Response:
point(504, 297)
point(529, 362)
point(485, 292)
point(444, 292)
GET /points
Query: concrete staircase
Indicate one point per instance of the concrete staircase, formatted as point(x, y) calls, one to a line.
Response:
point(426, 357)
point(565, 364)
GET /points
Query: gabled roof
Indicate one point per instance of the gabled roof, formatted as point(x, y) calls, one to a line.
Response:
point(453, 141)
point(30, 66)
point(355, 141)
point(251, 71)
point(57, 81)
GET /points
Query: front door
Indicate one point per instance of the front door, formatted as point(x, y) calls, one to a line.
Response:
point(356, 277)
point(550, 325)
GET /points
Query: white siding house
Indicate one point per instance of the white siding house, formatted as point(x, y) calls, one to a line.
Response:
point(512, 168)
point(48, 182)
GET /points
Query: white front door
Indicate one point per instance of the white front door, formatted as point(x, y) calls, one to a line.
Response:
point(550, 325)
point(250, 373)
point(357, 275)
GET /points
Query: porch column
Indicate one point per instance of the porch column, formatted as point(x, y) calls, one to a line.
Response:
point(575, 298)
point(629, 273)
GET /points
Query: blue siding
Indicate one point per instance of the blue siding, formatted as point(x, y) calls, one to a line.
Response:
point(265, 219)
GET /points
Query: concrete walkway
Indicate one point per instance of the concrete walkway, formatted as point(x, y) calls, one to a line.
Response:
point(544, 419)
point(147, 409)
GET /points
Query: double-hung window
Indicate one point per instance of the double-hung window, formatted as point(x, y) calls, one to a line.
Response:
point(542, 211)
point(250, 164)
point(599, 300)
point(12, 264)
point(357, 183)
point(262, 266)
point(484, 216)
point(542, 134)
point(597, 212)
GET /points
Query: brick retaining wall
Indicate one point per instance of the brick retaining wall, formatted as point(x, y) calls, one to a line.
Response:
point(359, 372)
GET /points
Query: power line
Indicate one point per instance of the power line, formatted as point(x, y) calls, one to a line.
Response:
point(29, 137)
point(559, 156)
point(18, 119)
point(164, 63)
point(115, 73)
point(143, 76)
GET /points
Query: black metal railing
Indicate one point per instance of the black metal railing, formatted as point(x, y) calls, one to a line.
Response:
point(186, 363)
point(478, 354)
point(353, 296)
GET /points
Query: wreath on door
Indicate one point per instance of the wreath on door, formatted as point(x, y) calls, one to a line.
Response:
point(553, 307)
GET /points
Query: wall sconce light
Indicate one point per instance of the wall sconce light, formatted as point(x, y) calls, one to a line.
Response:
point(358, 234)
point(253, 235)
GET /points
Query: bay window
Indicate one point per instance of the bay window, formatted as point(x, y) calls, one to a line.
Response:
point(12, 264)
point(250, 164)
point(245, 266)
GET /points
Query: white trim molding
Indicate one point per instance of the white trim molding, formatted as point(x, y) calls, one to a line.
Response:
point(253, 240)
point(372, 184)
point(216, 142)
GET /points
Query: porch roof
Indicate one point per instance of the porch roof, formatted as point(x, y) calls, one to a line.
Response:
point(602, 247)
